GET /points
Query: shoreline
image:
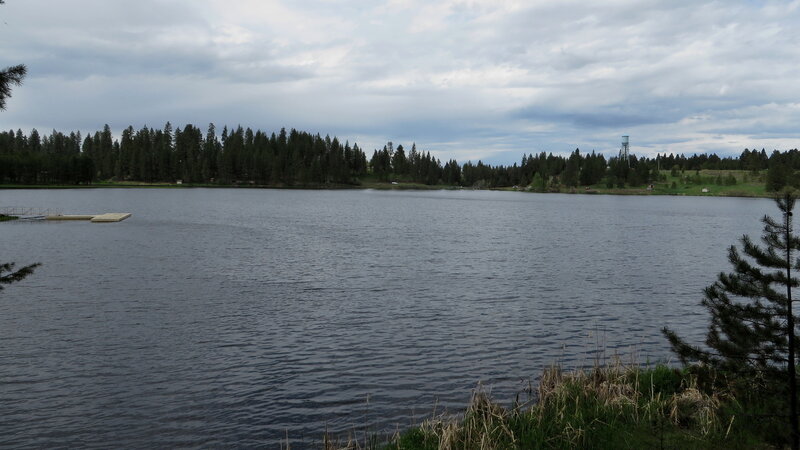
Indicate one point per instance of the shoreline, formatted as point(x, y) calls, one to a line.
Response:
point(403, 187)
point(610, 405)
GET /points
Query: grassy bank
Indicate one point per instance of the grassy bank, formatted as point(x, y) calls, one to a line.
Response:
point(720, 183)
point(606, 407)
point(704, 183)
point(713, 182)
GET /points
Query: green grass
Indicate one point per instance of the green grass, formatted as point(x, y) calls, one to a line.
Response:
point(604, 408)
point(687, 183)
point(691, 184)
point(4, 218)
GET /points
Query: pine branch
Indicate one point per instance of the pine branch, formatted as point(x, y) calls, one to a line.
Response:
point(8, 275)
point(10, 76)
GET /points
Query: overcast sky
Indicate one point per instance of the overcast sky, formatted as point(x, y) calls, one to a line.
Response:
point(471, 79)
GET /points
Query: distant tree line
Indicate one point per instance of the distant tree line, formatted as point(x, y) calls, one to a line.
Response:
point(296, 158)
point(186, 154)
point(545, 171)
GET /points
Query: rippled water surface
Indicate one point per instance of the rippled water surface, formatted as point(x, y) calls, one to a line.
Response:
point(235, 317)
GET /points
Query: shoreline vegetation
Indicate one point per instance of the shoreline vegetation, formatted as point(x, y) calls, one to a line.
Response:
point(610, 406)
point(189, 156)
point(701, 183)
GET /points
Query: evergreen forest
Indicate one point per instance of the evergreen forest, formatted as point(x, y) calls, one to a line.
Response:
point(296, 158)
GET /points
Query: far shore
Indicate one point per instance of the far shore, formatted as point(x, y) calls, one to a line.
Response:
point(753, 191)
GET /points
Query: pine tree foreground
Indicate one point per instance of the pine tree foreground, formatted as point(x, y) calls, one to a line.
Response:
point(752, 331)
point(8, 275)
point(8, 77)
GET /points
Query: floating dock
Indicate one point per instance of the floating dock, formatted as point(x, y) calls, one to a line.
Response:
point(107, 217)
point(110, 217)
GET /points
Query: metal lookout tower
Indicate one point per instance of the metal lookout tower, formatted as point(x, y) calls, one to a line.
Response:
point(624, 151)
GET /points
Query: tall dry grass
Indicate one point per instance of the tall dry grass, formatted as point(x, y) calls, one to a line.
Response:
point(606, 406)
point(609, 406)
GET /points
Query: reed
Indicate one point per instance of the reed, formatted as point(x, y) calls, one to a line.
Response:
point(610, 406)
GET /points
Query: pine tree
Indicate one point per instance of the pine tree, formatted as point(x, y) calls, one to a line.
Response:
point(539, 183)
point(752, 329)
point(12, 76)
point(778, 173)
point(571, 169)
point(105, 146)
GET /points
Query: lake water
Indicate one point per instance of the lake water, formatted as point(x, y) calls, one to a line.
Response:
point(222, 317)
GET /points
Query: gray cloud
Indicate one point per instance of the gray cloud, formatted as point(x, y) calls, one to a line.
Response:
point(466, 79)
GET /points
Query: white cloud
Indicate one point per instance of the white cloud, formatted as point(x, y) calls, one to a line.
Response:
point(465, 78)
